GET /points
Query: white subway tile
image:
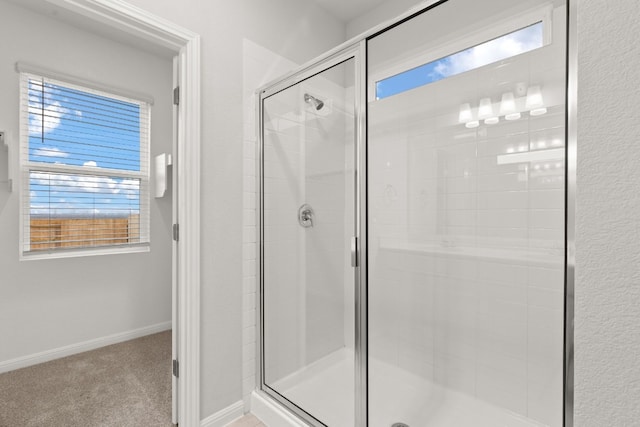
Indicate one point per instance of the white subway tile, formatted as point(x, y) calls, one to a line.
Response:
point(248, 384)
point(249, 284)
point(249, 251)
point(546, 199)
point(548, 278)
point(545, 333)
point(547, 218)
point(249, 234)
point(249, 334)
point(456, 373)
point(249, 217)
point(249, 368)
point(546, 298)
point(249, 168)
point(249, 267)
point(248, 351)
point(503, 218)
point(249, 302)
point(249, 317)
point(545, 399)
point(503, 200)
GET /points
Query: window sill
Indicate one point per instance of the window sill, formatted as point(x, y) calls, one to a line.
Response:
point(71, 253)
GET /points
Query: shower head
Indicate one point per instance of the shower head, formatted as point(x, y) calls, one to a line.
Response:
point(313, 101)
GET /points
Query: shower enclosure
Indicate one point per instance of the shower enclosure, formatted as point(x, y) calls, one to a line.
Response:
point(415, 224)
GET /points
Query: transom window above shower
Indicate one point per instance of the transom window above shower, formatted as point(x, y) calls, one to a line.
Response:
point(493, 43)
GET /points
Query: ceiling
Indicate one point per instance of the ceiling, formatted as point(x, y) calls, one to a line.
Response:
point(67, 16)
point(346, 10)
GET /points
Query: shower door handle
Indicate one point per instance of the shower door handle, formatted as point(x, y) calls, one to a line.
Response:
point(354, 251)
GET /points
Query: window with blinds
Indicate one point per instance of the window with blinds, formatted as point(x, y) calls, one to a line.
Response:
point(85, 169)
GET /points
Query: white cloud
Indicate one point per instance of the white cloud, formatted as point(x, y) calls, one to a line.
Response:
point(131, 188)
point(87, 183)
point(492, 51)
point(53, 112)
point(50, 152)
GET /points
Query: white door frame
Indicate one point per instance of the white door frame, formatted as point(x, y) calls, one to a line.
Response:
point(139, 24)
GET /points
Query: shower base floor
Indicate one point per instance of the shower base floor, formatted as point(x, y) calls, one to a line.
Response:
point(325, 390)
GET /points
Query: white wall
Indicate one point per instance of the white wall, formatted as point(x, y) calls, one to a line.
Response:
point(607, 322)
point(47, 304)
point(296, 30)
point(376, 16)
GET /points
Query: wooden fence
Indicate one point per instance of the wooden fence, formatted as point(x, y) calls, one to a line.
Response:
point(51, 233)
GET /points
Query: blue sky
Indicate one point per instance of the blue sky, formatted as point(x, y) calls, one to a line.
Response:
point(91, 132)
point(515, 43)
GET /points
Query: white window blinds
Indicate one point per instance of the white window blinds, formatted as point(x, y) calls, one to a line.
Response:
point(85, 168)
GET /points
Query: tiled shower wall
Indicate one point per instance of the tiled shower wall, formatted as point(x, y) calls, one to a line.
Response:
point(304, 163)
point(326, 249)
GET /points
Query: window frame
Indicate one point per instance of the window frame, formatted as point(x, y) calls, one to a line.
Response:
point(26, 166)
point(413, 59)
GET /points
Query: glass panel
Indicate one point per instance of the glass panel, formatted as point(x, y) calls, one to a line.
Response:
point(83, 128)
point(76, 211)
point(466, 223)
point(308, 318)
point(503, 47)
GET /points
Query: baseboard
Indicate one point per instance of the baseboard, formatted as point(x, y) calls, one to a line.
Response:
point(56, 353)
point(224, 416)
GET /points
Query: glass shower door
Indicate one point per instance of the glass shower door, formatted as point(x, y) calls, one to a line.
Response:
point(307, 224)
point(466, 182)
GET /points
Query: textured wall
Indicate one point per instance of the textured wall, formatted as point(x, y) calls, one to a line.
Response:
point(607, 321)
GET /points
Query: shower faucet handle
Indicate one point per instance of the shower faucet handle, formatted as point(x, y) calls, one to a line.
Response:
point(305, 216)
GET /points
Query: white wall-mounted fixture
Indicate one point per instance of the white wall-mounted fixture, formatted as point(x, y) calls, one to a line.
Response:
point(5, 143)
point(466, 116)
point(485, 111)
point(465, 113)
point(535, 103)
point(508, 107)
point(162, 163)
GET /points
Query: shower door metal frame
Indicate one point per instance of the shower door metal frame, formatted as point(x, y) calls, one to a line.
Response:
point(357, 48)
point(355, 51)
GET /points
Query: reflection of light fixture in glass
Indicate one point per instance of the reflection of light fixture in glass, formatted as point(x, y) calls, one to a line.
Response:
point(535, 102)
point(466, 117)
point(508, 107)
point(485, 111)
point(465, 113)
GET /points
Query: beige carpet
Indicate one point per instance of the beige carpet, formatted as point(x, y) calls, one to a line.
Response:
point(124, 385)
